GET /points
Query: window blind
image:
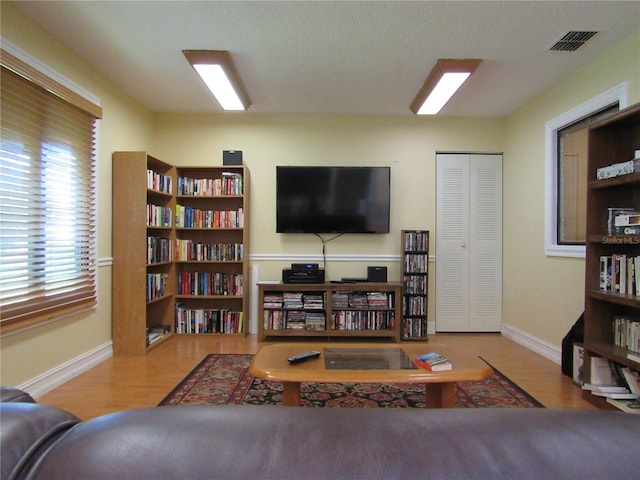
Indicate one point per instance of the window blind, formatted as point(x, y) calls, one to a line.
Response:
point(47, 203)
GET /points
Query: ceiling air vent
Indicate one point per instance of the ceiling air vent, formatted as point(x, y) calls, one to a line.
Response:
point(572, 41)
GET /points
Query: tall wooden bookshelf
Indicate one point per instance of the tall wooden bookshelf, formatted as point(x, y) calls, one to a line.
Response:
point(212, 272)
point(611, 141)
point(149, 260)
point(370, 310)
point(415, 284)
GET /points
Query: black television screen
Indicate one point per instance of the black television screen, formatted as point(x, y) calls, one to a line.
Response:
point(332, 199)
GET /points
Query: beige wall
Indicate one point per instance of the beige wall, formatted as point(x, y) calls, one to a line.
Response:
point(407, 144)
point(542, 296)
point(126, 125)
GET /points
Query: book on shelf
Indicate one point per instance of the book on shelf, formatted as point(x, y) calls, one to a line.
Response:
point(161, 329)
point(613, 212)
point(611, 391)
point(600, 372)
point(604, 388)
point(616, 395)
point(629, 406)
point(433, 361)
point(610, 379)
point(632, 378)
point(156, 333)
point(617, 169)
point(626, 332)
point(627, 223)
point(153, 337)
point(635, 356)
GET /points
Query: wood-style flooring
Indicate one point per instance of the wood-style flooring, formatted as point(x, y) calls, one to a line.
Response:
point(131, 382)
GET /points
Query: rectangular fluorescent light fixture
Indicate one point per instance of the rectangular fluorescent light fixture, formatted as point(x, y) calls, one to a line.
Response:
point(442, 83)
point(220, 76)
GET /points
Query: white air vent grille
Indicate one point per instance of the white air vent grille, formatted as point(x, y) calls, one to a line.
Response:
point(572, 41)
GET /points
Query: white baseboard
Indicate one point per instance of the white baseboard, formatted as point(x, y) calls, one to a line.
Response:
point(547, 350)
point(55, 377)
point(431, 328)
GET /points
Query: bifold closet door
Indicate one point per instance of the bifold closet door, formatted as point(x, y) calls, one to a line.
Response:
point(468, 242)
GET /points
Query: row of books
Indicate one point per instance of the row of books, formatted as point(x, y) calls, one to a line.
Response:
point(415, 284)
point(620, 273)
point(190, 250)
point(626, 332)
point(361, 300)
point(415, 305)
point(416, 241)
point(158, 216)
point(159, 182)
point(209, 283)
point(207, 320)
point(294, 320)
point(156, 285)
point(230, 184)
point(159, 250)
point(189, 217)
point(364, 320)
point(414, 327)
point(415, 263)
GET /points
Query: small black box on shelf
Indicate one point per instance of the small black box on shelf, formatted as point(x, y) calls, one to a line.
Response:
point(377, 274)
point(232, 157)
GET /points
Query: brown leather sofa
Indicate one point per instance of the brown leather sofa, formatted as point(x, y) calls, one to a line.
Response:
point(252, 442)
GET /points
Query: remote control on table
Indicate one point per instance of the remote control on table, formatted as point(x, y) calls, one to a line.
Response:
point(303, 357)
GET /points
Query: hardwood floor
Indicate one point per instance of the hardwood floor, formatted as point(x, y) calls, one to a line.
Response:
point(131, 382)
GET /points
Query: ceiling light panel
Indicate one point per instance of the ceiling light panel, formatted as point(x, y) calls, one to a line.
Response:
point(443, 81)
point(218, 73)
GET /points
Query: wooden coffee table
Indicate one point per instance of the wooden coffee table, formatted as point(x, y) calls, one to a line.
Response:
point(367, 363)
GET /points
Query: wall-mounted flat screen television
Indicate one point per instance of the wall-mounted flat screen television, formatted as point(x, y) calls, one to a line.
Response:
point(332, 199)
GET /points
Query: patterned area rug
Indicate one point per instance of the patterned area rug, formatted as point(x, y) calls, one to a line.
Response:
point(225, 379)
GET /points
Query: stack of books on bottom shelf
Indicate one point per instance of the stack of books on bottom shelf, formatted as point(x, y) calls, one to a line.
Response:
point(155, 333)
point(433, 361)
point(619, 385)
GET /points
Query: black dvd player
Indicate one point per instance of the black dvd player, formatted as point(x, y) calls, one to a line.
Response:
point(314, 275)
point(305, 266)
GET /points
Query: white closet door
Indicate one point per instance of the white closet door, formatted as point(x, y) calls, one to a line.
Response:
point(452, 236)
point(469, 243)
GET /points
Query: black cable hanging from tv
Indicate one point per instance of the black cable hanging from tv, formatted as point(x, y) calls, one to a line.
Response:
point(324, 249)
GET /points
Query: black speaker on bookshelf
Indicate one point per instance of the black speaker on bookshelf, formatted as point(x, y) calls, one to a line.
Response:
point(232, 157)
point(377, 274)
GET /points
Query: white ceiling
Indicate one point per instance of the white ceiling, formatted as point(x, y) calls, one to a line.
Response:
point(326, 57)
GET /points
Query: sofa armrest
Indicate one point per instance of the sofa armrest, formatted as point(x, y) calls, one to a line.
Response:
point(27, 431)
point(11, 394)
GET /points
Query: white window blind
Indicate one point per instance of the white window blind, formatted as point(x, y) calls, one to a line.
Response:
point(47, 199)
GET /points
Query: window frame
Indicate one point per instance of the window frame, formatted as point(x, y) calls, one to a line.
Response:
point(56, 84)
point(618, 94)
